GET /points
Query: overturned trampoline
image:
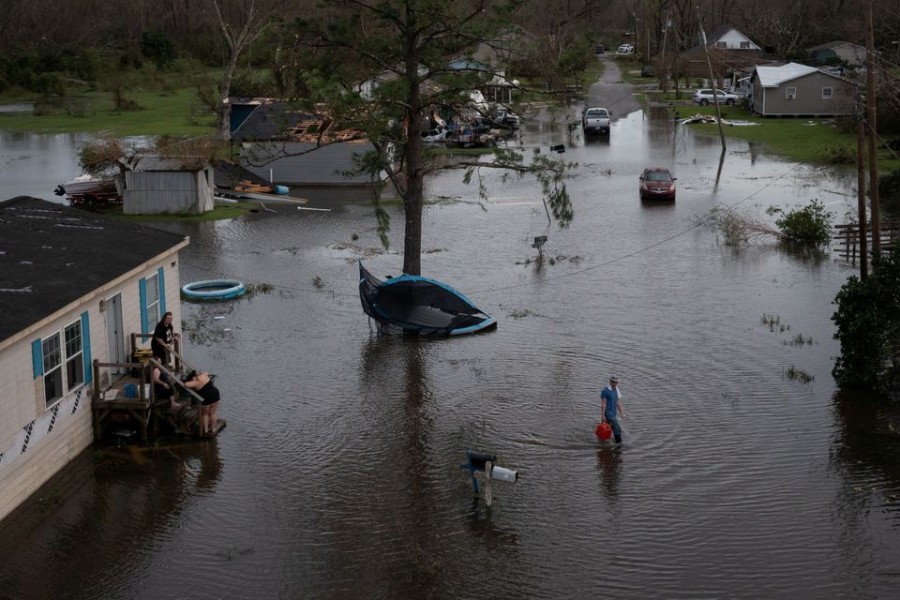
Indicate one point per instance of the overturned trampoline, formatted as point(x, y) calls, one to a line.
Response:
point(418, 305)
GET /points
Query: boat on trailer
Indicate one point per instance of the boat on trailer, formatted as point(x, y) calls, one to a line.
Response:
point(419, 305)
point(87, 189)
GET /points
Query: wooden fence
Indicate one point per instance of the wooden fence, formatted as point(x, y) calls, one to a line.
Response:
point(846, 239)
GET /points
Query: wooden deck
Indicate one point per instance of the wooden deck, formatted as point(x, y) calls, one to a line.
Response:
point(124, 406)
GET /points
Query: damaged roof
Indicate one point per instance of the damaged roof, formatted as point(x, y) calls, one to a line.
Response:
point(51, 255)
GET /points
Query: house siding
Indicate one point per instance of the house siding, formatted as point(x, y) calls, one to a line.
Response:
point(168, 192)
point(773, 101)
point(306, 165)
point(53, 437)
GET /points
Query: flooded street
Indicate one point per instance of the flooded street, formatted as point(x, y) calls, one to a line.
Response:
point(338, 475)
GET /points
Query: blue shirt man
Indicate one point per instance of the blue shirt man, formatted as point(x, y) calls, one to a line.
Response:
point(611, 407)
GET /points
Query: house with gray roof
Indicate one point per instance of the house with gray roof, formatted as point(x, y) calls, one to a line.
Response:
point(838, 52)
point(795, 90)
point(73, 285)
point(285, 146)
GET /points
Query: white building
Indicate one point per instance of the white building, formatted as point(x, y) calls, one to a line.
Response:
point(73, 285)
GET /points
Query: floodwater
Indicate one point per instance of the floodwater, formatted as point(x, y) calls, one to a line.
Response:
point(339, 476)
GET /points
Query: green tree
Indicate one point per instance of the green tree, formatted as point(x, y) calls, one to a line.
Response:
point(403, 49)
point(809, 225)
point(158, 48)
point(868, 328)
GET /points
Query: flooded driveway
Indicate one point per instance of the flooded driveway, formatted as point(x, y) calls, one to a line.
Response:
point(339, 476)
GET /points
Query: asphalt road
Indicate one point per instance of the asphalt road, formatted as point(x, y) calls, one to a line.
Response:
point(611, 92)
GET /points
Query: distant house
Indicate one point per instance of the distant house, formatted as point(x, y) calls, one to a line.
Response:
point(727, 37)
point(306, 163)
point(157, 185)
point(73, 284)
point(730, 53)
point(800, 90)
point(835, 53)
point(282, 145)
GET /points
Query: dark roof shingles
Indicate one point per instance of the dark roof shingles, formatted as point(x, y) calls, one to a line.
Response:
point(51, 255)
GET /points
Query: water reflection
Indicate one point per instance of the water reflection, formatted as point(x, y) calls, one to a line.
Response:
point(106, 501)
point(609, 463)
point(868, 454)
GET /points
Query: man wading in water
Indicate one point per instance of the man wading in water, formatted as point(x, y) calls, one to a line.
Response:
point(611, 407)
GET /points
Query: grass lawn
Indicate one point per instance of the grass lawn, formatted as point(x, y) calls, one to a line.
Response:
point(158, 112)
point(814, 141)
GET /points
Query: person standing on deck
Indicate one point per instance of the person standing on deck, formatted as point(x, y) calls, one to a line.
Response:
point(611, 407)
point(163, 337)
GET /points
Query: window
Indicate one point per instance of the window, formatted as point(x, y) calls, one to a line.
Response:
point(58, 358)
point(152, 291)
point(62, 359)
point(153, 313)
point(74, 358)
point(790, 93)
point(53, 388)
point(745, 45)
point(721, 44)
point(827, 93)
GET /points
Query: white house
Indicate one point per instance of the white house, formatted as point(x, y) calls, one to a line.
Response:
point(73, 285)
point(729, 38)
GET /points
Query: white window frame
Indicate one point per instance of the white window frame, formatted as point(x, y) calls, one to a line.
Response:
point(790, 93)
point(745, 45)
point(828, 93)
point(721, 44)
point(153, 306)
point(62, 357)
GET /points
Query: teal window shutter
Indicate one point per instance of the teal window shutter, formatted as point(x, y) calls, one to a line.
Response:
point(86, 349)
point(37, 357)
point(161, 279)
point(142, 289)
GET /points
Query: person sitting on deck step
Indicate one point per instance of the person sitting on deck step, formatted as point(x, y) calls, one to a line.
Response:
point(164, 389)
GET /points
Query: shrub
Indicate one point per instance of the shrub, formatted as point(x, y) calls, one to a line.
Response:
point(158, 48)
point(887, 186)
point(868, 328)
point(808, 225)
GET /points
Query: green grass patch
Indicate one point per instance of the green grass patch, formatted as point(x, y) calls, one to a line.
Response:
point(814, 141)
point(157, 112)
point(222, 210)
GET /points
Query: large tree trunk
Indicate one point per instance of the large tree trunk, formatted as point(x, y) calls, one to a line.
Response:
point(223, 111)
point(412, 200)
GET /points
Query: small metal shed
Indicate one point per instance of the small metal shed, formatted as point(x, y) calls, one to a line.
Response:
point(156, 185)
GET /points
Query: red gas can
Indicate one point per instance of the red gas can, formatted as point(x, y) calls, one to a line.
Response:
point(603, 431)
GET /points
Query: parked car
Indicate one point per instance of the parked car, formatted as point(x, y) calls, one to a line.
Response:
point(595, 120)
point(647, 71)
point(505, 119)
point(599, 49)
point(625, 49)
point(705, 96)
point(657, 183)
point(438, 134)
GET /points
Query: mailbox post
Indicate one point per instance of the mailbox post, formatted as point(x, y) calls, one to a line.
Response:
point(484, 465)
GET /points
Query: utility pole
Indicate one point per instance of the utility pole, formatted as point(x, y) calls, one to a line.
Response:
point(873, 135)
point(663, 67)
point(712, 81)
point(861, 189)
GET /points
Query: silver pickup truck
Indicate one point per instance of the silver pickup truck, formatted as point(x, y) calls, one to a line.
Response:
point(595, 120)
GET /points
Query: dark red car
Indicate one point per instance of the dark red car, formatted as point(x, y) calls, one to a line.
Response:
point(657, 183)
